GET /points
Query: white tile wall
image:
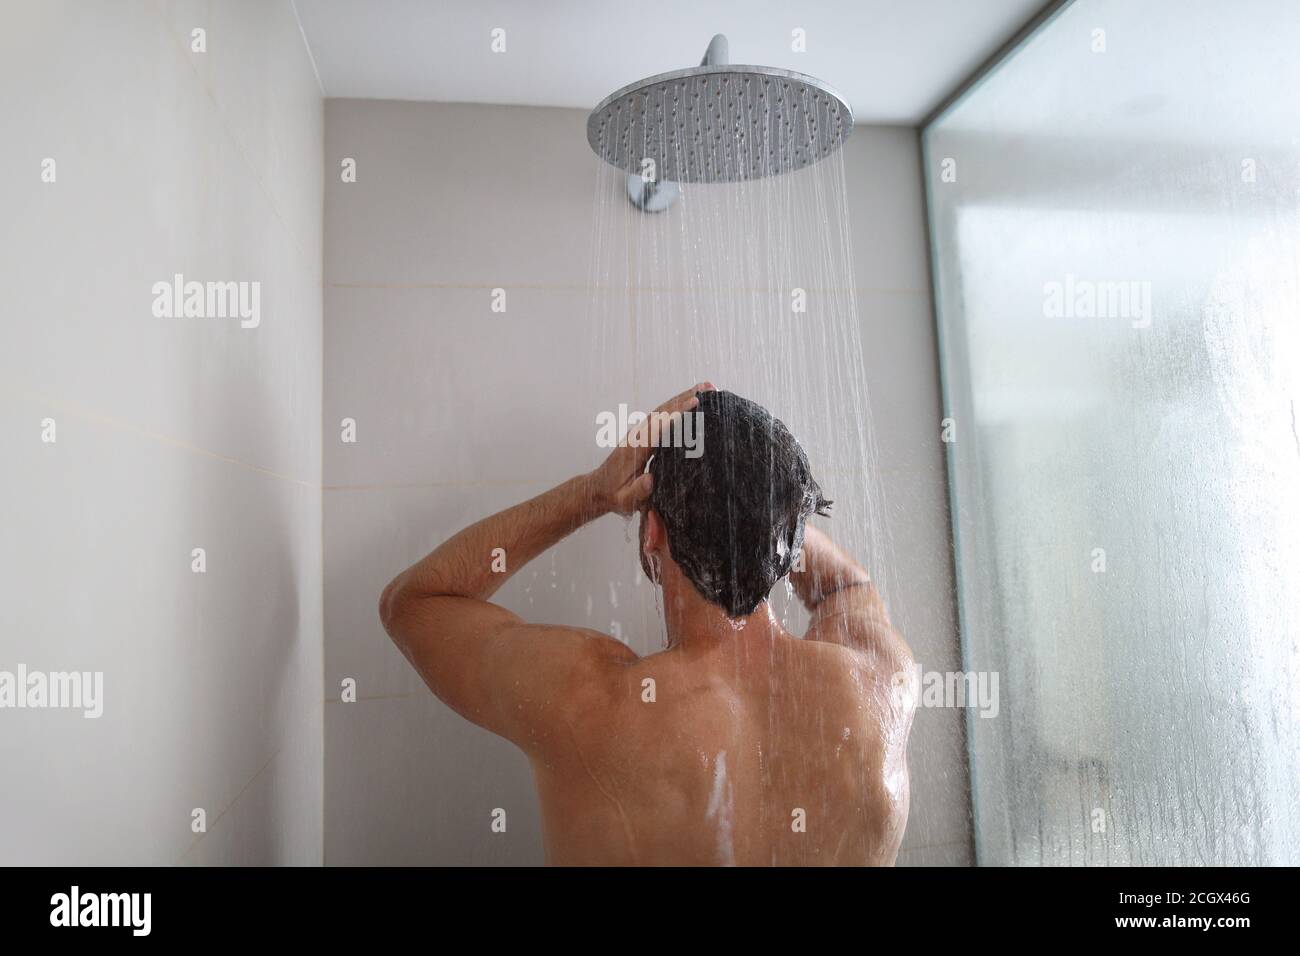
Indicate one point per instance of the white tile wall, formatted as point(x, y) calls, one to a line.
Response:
point(172, 434)
point(439, 777)
point(409, 366)
point(175, 433)
point(461, 411)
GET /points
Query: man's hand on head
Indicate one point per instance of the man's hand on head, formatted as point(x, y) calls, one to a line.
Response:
point(621, 484)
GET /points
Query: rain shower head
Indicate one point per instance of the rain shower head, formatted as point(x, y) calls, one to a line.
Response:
point(719, 123)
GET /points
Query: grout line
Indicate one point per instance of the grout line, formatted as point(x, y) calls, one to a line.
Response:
point(405, 696)
point(108, 422)
point(217, 819)
point(320, 84)
point(471, 483)
point(635, 289)
point(180, 47)
point(891, 471)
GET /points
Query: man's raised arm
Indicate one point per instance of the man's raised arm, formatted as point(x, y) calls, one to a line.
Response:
point(845, 606)
point(483, 660)
point(463, 565)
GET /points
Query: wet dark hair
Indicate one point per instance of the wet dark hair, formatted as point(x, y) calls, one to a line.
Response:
point(734, 514)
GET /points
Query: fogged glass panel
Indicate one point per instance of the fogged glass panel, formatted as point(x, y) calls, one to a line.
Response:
point(1117, 259)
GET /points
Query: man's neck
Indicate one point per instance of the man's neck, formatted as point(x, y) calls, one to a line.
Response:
point(693, 622)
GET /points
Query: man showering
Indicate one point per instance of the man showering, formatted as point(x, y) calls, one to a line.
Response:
point(757, 747)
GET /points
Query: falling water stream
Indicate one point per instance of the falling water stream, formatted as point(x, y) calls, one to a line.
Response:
point(750, 285)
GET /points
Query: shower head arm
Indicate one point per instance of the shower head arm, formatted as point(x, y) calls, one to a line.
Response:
point(717, 54)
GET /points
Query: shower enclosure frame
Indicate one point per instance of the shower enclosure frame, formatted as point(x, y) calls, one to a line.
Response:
point(947, 386)
point(1152, 715)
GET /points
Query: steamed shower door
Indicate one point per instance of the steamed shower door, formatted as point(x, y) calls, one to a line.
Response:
point(1116, 252)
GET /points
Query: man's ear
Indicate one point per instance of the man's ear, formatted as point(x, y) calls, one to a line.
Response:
point(652, 540)
point(654, 535)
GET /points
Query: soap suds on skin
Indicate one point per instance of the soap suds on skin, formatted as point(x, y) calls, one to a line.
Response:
point(721, 801)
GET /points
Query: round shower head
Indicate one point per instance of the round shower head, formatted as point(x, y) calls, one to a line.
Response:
point(719, 123)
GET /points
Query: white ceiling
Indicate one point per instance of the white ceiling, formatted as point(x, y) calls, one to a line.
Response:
point(894, 60)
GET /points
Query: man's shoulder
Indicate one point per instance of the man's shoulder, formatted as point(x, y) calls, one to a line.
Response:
point(841, 657)
point(592, 658)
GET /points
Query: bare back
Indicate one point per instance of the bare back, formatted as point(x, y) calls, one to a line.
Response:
point(780, 752)
point(738, 745)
